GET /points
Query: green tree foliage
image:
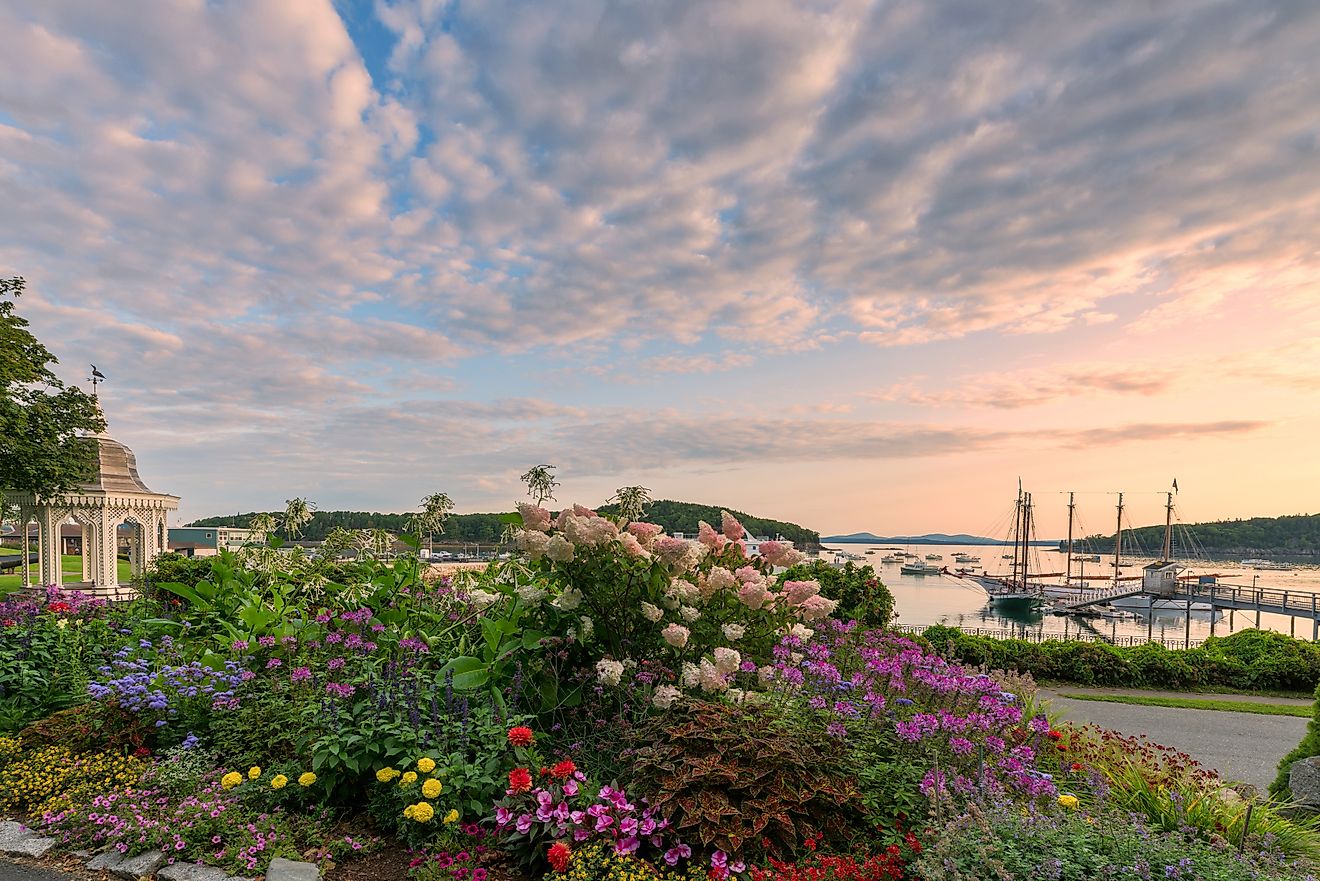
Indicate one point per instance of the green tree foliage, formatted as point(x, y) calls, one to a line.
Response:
point(488, 529)
point(858, 590)
point(1294, 534)
point(40, 418)
point(1310, 746)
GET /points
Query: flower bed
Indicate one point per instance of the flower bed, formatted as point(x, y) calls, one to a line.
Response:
point(615, 703)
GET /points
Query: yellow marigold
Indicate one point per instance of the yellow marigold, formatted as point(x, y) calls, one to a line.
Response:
point(409, 778)
point(408, 812)
point(254, 772)
point(451, 817)
point(307, 778)
point(422, 812)
point(1068, 801)
point(426, 764)
point(385, 775)
point(279, 781)
point(431, 788)
point(230, 780)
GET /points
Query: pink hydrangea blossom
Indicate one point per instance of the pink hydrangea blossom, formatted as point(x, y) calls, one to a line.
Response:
point(559, 549)
point(707, 535)
point(534, 516)
point(753, 595)
point(729, 525)
point(799, 592)
point(632, 547)
point(676, 635)
point(646, 532)
point(532, 543)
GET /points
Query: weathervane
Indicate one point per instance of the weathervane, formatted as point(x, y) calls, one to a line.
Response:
point(96, 379)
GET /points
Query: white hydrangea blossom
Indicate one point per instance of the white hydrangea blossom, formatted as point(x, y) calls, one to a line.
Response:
point(652, 613)
point(569, 600)
point(688, 614)
point(609, 672)
point(734, 632)
point(691, 675)
point(665, 696)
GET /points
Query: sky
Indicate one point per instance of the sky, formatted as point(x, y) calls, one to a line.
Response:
point(858, 265)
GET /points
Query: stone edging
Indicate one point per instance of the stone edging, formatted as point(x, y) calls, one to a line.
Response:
point(15, 838)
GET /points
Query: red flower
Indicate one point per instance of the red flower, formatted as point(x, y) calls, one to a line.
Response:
point(1077, 766)
point(563, 769)
point(59, 606)
point(521, 735)
point(558, 856)
point(1056, 735)
point(520, 780)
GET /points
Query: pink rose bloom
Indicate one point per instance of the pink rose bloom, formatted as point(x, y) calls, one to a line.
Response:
point(800, 591)
point(534, 516)
point(729, 525)
point(707, 535)
point(676, 635)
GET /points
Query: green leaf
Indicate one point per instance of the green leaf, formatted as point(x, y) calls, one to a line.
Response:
point(469, 672)
point(514, 519)
point(187, 593)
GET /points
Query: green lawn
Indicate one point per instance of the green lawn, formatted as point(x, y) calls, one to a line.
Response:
point(1188, 703)
point(70, 565)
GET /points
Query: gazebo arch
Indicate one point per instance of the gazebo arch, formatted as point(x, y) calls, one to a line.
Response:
point(114, 496)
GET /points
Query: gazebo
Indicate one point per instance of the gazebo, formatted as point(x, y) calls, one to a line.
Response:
point(114, 496)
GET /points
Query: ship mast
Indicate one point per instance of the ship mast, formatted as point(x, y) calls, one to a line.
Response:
point(1118, 538)
point(1017, 532)
point(1026, 535)
point(1067, 577)
point(1168, 526)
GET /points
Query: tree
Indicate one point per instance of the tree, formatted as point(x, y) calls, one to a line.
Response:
point(40, 419)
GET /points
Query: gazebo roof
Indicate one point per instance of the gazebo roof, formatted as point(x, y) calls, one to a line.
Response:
point(116, 469)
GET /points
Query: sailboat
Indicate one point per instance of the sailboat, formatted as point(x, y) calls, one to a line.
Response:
point(1015, 590)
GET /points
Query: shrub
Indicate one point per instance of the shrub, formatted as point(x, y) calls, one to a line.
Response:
point(92, 727)
point(857, 589)
point(598, 861)
point(1006, 842)
point(745, 780)
point(1310, 746)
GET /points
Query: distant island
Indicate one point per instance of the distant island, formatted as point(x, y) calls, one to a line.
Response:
point(487, 528)
point(930, 538)
point(1293, 535)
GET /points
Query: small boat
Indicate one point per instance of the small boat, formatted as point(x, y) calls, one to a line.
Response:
point(891, 558)
point(966, 558)
point(919, 568)
point(934, 556)
point(1267, 565)
point(868, 553)
point(1089, 558)
point(1005, 556)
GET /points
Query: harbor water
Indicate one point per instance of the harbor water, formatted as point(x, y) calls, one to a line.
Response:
point(958, 602)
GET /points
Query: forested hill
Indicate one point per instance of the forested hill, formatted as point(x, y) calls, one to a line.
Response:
point(1294, 534)
point(487, 528)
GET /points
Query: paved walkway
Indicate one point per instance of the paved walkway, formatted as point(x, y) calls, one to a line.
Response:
point(11, 871)
point(1240, 746)
point(1199, 695)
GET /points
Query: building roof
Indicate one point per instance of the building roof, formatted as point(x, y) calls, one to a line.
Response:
point(116, 468)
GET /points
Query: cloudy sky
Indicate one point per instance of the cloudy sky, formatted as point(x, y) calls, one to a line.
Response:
point(855, 264)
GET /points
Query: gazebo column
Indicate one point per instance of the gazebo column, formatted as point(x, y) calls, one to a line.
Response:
point(107, 562)
point(48, 532)
point(25, 518)
point(86, 550)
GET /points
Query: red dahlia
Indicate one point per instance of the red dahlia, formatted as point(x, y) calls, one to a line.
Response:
point(521, 735)
point(563, 769)
point(520, 780)
point(558, 856)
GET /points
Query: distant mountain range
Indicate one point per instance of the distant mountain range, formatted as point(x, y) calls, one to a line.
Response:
point(930, 538)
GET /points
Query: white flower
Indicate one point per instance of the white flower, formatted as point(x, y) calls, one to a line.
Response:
point(62, 623)
point(734, 632)
point(691, 674)
point(652, 613)
point(735, 695)
point(665, 695)
point(727, 660)
point(569, 600)
point(532, 543)
point(482, 598)
point(802, 632)
point(676, 635)
point(765, 675)
point(584, 628)
point(559, 549)
point(685, 590)
point(531, 593)
point(688, 614)
point(609, 672)
point(711, 678)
